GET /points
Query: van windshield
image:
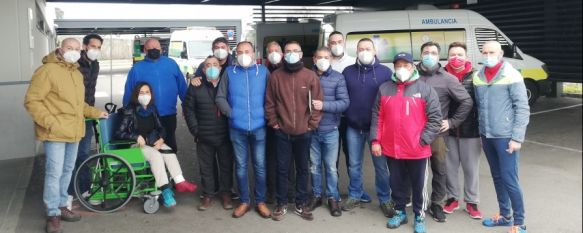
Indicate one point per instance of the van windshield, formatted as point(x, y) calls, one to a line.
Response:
point(199, 49)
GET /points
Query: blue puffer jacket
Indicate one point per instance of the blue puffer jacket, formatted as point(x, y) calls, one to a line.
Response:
point(362, 82)
point(336, 99)
point(241, 96)
point(503, 110)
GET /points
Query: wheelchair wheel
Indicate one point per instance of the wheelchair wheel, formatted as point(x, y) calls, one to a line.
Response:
point(151, 205)
point(108, 184)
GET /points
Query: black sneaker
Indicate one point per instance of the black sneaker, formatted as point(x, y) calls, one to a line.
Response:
point(279, 212)
point(334, 208)
point(315, 202)
point(350, 204)
point(437, 212)
point(388, 209)
point(304, 212)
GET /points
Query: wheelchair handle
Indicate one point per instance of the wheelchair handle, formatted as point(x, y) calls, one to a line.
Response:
point(110, 108)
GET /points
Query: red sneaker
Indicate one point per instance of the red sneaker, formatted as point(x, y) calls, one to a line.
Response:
point(451, 205)
point(472, 209)
point(185, 187)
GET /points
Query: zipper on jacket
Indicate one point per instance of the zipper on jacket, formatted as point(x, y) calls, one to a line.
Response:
point(248, 99)
point(294, 99)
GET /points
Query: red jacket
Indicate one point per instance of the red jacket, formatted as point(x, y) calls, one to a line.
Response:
point(406, 118)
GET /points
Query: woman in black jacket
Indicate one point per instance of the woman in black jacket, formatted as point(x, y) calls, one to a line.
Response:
point(141, 123)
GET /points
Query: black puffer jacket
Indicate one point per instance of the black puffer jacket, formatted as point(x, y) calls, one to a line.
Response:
point(128, 128)
point(469, 127)
point(90, 71)
point(204, 119)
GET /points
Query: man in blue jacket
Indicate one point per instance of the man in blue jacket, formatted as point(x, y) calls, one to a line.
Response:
point(165, 77)
point(324, 146)
point(241, 97)
point(362, 81)
point(503, 116)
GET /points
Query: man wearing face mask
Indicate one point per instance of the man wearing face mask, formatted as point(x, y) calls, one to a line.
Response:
point(89, 68)
point(340, 60)
point(211, 135)
point(289, 110)
point(165, 77)
point(362, 81)
point(406, 118)
point(504, 115)
point(241, 97)
point(55, 101)
point(222, 51)
point(324, 145)
point(448, 89)
point(274, 62)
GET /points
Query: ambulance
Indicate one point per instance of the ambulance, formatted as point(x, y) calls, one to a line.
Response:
point(405, 31)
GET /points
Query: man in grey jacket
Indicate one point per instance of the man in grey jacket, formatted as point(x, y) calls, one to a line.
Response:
point(503, 116)
point(448, 89)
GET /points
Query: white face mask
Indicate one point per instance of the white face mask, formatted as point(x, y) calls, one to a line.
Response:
point(403, 74)
point(93, 54)
point(144, 100)
point(292, 58)
point(323, 64)
point(490, 61)
point(365, 57)
point(221, 53)
point(244, 60)
point(274, 58)
point(71, 56)
point(337, 50)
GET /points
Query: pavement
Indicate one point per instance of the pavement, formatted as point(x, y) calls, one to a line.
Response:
point(550, 172)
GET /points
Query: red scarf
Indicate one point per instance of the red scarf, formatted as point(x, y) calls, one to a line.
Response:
point(491, 72)
point(460, 75)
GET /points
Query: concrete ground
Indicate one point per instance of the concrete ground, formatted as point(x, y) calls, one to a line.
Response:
point(550, 171)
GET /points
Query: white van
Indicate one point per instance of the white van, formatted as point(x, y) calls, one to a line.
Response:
point(406, 31)
point(191, 46)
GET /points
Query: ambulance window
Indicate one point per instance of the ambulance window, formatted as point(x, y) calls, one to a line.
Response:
point(176, 49)
point(387, 44)
point(443, 38)
point(486, 34)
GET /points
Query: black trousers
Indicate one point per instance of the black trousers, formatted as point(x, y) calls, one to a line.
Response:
point(293, 148)
point(216, 167)
point(169, 124)
point(271, 160)
point(413, 170)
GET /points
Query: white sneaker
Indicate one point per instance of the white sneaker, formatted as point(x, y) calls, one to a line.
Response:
point(70, 202)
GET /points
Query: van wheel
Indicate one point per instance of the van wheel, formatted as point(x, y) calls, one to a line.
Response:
point(531, 91)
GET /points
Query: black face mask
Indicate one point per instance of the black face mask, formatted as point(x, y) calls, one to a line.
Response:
point(153, 54)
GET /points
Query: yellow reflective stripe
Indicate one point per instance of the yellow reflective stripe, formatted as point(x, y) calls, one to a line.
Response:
point(508, 77)
point(535, 73)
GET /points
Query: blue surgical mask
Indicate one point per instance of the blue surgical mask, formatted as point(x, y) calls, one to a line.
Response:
point(490, 61)
point(292, 58)
point(212, 73)
point(429, 61)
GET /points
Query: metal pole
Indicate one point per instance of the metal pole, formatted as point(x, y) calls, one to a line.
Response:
point(263, 11)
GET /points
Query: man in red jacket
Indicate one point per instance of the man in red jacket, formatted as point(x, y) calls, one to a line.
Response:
point(406, 119)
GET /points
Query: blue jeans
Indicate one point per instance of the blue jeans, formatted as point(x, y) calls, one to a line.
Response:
point(82, 154)
point(59, 165)
point(324, 147)
point(355, 140)
point(504, 169)
point(296, 147)
point(247, 143)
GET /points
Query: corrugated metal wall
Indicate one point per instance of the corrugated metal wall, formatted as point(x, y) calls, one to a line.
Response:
point(548, 30)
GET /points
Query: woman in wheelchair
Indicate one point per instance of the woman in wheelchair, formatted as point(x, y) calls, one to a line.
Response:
point(140, 122)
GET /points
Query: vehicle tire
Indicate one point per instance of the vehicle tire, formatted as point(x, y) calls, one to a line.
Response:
point(111, 183)
point(531, 91)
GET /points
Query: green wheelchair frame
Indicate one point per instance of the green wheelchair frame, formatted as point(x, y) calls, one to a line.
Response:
point(117, 173)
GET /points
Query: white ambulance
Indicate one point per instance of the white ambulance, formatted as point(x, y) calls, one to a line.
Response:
point(398, 31)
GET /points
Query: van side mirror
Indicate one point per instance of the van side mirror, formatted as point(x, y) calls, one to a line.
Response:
point(514, 50)
point(183, 55)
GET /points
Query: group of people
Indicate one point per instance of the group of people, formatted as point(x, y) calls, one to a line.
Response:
point(288, 122)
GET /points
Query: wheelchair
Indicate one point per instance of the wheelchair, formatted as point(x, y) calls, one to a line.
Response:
point(116, 173)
